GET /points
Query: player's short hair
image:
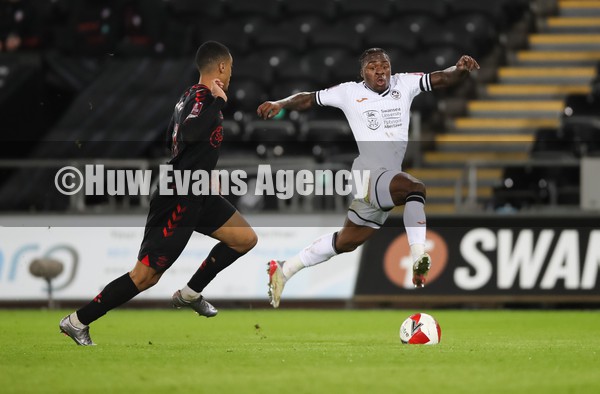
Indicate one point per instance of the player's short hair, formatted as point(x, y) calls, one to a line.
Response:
point(211, 53)
point(370, 51)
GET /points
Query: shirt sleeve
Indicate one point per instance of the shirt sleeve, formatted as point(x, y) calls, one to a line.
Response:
point(417, 82)
point(332, 97)
point(197, 127)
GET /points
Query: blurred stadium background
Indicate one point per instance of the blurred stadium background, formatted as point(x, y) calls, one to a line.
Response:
point(510, 157)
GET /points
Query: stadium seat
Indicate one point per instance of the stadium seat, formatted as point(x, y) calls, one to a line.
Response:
point(450, 37)
point(382, 9)
point(189, 11)
point(390, 37)
point(479, 30)
point(233, 141)
point(286, 88)
point(346, 69)
point(319, 64)
point(330, 140)
point(436, 9)
point(246, 94)
point(413, 24)
point(255, 67)
point(325, 9)
point(584, 137)
point(436, 58)
point(493, 10)
point(311, 67)
point(568, 181)
point(28, 21)
point(425, 103)
point(581, 107)
point(522, 187)
point(333, 37)
point(274, 138)
point(361, 24)
point(306, 23)
point(229, 34)
point(551, 144)
point(91, 28)
point(243, 9)
point(275, 57)
point(287, 37)
point(402, 61)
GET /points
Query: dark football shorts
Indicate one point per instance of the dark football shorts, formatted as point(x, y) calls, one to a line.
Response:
point(171, 222)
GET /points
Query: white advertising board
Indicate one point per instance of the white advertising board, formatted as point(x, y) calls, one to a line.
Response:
point(95, 250)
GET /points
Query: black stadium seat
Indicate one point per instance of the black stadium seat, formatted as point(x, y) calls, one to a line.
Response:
point(284, 36)
point(286, 88)
point(190, 11)
point(552, 144)
point(269, 9)
point(329, 140)
point(322, 61)
point(274, 138)
point(448, 37)
point(361, 24)
point(492, 9)
point(585, 137)
point(581, 107)
point(254, 67)
point(246, 94)
point(381, 9)
point(346, 69)
point(393, 36)
point(306, 23)
point(231, 35)
point(336, 38)
point(479, 30)
point(325, 9)
point(434, 59)
point(436, 9)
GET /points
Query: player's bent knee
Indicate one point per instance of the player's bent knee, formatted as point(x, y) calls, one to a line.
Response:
point(245, 242)
point(251, 241)
point(400, 194)
point(418, 187)
point(347, 246)
point(144, 277)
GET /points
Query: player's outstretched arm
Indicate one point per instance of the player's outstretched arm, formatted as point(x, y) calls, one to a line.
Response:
point(453, 75)
point(297, 102)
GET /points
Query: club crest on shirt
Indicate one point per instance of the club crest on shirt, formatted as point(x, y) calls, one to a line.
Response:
point(372, 118)
point(395, 94)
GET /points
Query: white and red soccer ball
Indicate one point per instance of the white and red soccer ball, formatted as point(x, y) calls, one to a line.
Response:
point(420, 329)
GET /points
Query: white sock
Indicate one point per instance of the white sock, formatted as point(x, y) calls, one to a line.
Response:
point(189, 294)
point(416, 227)
point(417, 250)
point(75, 321)
point(292, 266)
point(318, 252)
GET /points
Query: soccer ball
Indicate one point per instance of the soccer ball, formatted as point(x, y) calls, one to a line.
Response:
point(420, 329)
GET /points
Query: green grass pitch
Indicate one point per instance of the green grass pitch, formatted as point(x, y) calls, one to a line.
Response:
point(302, 351)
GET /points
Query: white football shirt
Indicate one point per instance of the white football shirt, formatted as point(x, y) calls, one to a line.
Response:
point(379, 121)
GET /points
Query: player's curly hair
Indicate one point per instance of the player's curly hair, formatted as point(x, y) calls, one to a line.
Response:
point(210, 53)
point(368, 52)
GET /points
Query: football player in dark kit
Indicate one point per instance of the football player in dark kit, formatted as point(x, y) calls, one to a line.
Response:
point(195, 134)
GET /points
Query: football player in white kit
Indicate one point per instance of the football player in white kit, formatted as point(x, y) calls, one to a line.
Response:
point(377, 109)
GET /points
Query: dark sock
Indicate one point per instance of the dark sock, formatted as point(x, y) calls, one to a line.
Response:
point(116, 293)
point(219, 258)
